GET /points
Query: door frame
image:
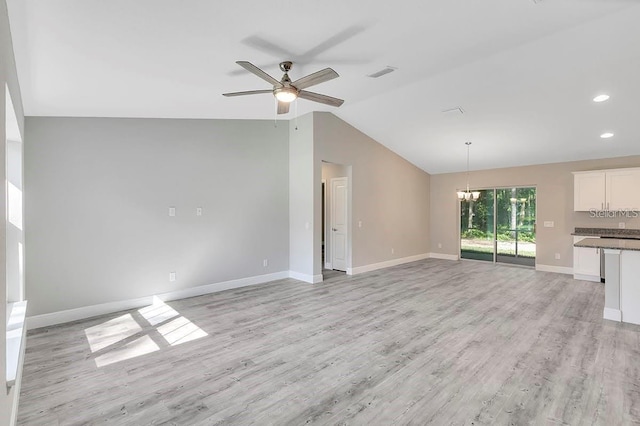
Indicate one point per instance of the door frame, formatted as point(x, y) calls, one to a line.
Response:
point(495, 218)
point(326, 261)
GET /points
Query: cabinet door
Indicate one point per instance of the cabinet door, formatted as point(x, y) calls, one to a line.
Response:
point(586, 261)
point(622, 190)
point(589, 191)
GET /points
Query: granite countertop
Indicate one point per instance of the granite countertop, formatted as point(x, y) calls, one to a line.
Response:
point(609, 233)
point(610, 243)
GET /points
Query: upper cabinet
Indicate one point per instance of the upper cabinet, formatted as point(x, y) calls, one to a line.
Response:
point(589, 190)
point(607, 190)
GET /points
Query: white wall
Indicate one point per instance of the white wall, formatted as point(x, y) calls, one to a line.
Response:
point(301, 198)
point(98, 229)
point(8, 78)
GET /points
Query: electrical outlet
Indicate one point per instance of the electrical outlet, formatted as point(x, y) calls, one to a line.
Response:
point(621, 225)
point(265, 262)
point(549, 224)
point(172, 276)
point(392, 250)
point(557, 256)
point(172, 211)
point(359, 224)
point(439, 245)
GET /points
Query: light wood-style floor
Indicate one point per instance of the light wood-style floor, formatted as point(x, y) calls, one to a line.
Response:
point(428, 342)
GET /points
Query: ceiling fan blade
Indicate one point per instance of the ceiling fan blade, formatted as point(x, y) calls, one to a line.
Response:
point(283, 107)
point(315, 78)
point(323, 99)
point(248, 92)
point(257, 71)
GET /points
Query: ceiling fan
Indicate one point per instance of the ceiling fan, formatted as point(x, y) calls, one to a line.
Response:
point(286, 91)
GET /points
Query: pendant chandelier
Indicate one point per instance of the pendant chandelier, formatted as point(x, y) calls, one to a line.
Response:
point(468, 195)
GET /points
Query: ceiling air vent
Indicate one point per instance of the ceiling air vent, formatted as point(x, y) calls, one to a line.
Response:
point(382, 72)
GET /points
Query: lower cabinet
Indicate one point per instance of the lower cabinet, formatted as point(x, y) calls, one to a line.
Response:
point(586, 262)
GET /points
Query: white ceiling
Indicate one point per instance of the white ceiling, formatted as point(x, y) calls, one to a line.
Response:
point(524, 73)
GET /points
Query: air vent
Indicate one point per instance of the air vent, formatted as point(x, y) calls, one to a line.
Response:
point(382, 72)
point(453, 111)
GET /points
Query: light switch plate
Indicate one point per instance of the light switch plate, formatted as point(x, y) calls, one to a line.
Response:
point(621, 225)
point(172, 211)
point(198, 211)
point(172, 276)
point(549, 224)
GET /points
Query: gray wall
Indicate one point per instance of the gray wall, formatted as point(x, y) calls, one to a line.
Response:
point(387, 193)
point(99, 190)
point(554, 184)
point(8, 77)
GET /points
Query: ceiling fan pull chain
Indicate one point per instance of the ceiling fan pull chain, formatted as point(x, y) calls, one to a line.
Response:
point(275, 113)
point(296, 107)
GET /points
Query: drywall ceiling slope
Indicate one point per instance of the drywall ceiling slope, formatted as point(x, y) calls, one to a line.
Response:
point(524, 73)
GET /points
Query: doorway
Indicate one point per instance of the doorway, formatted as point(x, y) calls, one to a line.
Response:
point(500, 226)
point(335, 219)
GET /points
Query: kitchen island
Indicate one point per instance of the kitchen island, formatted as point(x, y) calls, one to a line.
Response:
point(622, 277)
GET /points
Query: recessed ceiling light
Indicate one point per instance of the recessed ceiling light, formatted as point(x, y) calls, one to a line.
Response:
point(601, 98)
point(606, 135)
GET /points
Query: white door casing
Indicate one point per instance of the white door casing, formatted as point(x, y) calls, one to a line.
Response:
point(339, 223)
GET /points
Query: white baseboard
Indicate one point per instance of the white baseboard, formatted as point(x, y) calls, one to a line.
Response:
point(312, 279)
point(386, 264)
point(444, 256)
point(557, 269)
point(69, 315)
point(594, 278)
point(612, 314)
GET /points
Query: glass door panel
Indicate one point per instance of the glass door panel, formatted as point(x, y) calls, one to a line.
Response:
point(515, 226)
point(477, 238)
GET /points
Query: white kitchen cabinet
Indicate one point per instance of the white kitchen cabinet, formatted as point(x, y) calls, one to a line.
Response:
point(606, 190)
point(586, 262)
point(622, 189)
point(589, 189)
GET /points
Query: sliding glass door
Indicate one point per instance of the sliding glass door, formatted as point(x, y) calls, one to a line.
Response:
point(477, 239)
point(500, 226)
point(515, 226)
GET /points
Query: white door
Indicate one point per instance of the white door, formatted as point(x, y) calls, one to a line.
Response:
point(339, 223)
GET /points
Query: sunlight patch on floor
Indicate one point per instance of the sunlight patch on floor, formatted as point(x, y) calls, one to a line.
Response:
point(155, 324)
point(180, 330)
point(158, 312)
point(141, 346)
point(113, 331)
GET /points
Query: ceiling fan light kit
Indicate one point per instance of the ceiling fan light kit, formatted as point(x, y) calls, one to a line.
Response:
point(285, 94)
point(286, 91)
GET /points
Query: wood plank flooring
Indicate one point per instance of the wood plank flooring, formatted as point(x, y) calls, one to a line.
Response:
point(430, 342)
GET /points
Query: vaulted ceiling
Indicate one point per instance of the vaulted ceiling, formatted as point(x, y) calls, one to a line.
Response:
point(524, 72)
